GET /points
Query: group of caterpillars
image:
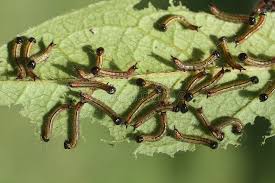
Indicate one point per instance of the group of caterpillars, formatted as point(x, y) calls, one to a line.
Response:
point(26, 63)
point(88, 80)
point(254, 21)
point(163, 106)
point(157, 92)
point(198, 84)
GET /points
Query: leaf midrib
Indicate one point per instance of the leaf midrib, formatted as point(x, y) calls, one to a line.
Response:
point(169, 73)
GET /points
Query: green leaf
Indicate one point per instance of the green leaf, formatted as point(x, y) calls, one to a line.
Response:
point(129, 36)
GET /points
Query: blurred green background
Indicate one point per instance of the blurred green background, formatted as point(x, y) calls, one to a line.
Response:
point(24, 158)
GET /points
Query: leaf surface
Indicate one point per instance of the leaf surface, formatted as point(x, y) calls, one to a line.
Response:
point(129, 36)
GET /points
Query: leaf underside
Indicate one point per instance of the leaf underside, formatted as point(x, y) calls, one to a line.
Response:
point(130, 37)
